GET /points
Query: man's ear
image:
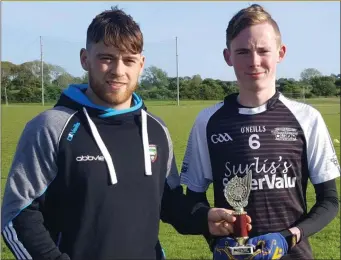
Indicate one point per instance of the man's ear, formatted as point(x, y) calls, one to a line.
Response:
point(282, 52)
point(84, 59)
point(142, 62)
point(227, 56)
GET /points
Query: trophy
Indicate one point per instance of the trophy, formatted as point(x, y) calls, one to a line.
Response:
point(237, 193)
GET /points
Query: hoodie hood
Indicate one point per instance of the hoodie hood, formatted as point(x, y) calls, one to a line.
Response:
point(74, 97)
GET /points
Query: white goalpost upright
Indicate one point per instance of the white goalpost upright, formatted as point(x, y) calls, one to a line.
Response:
point(42, 72)
point(177, 70)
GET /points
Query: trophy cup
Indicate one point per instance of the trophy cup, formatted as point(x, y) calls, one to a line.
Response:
point(237, 193)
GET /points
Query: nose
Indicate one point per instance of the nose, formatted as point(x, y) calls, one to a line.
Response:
point(255, 60)
point(118, 68)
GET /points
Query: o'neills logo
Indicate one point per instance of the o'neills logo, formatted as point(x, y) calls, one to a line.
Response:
point(84, 158)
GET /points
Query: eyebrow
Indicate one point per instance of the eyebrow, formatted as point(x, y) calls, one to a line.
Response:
point(115, 56)
point(241, 49)
point(130, 57)
point(246, 49)
point(106, 54)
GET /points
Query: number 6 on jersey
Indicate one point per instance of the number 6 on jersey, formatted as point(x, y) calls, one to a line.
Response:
point(253, 143)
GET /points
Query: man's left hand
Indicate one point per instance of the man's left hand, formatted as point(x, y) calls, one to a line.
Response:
point(220, 222)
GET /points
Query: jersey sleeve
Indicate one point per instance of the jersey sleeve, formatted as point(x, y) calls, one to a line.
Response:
point(196, 171)
point(322, 159)
point(320, 153)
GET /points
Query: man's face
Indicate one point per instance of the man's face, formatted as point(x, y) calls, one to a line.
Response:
point(254, 55)
point(113, 75)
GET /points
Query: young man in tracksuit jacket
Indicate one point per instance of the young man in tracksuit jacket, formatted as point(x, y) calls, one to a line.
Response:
point(92, 177)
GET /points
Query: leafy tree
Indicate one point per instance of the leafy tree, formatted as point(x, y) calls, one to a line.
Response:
point(211, 90)
point(23, 84)
point(28, 94)
point(63, 80)
point(310, 73)
point(323, 86)
point(154, 77)
point(52, 93)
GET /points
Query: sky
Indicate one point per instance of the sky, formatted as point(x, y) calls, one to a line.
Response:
point(310, 30)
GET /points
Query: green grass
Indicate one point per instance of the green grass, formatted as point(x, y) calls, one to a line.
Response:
point(326, 244)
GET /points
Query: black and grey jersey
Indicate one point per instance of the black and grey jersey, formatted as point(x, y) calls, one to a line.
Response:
point(284, 143)
point(89, 182)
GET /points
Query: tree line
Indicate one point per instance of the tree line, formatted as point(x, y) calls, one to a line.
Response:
point(22, 84)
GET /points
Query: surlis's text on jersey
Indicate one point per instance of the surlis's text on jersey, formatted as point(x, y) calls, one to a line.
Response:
point(270, 179)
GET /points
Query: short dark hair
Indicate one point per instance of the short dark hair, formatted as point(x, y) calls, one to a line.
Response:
point(252, 15)
point(115, 27)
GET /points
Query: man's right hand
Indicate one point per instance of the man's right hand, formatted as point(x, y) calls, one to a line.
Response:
point(221, 221)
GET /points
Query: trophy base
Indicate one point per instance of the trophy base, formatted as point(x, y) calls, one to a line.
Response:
point(241, 250)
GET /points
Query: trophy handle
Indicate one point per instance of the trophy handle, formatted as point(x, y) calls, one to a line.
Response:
point(240, 228)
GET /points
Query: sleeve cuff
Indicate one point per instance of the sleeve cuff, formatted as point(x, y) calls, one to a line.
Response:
point(200, 218)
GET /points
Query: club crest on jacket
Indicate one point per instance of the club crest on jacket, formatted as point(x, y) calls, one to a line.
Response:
point(153, 152)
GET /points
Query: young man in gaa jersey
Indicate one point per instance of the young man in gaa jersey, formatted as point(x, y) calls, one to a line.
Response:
point(284, 143)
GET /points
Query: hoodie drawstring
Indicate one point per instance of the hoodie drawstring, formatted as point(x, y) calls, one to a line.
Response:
point(145, 140)
point(106, 154)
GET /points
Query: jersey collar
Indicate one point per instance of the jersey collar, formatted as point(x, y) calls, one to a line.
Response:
point(231, 103)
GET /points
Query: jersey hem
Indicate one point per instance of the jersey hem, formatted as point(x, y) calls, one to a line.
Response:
point(193, 187)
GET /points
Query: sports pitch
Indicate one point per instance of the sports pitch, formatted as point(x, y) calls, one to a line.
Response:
point(179, 119)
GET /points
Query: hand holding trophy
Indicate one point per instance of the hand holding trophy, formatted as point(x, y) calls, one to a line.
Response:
point(237, 193)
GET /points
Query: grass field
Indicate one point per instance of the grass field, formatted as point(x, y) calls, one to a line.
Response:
point(326, 244)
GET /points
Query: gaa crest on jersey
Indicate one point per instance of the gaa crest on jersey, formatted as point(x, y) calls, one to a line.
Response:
point(153, 152)
point(221, 138)
point(285, 134)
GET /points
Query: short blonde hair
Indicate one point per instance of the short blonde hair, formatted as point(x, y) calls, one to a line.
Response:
point(252, 15)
